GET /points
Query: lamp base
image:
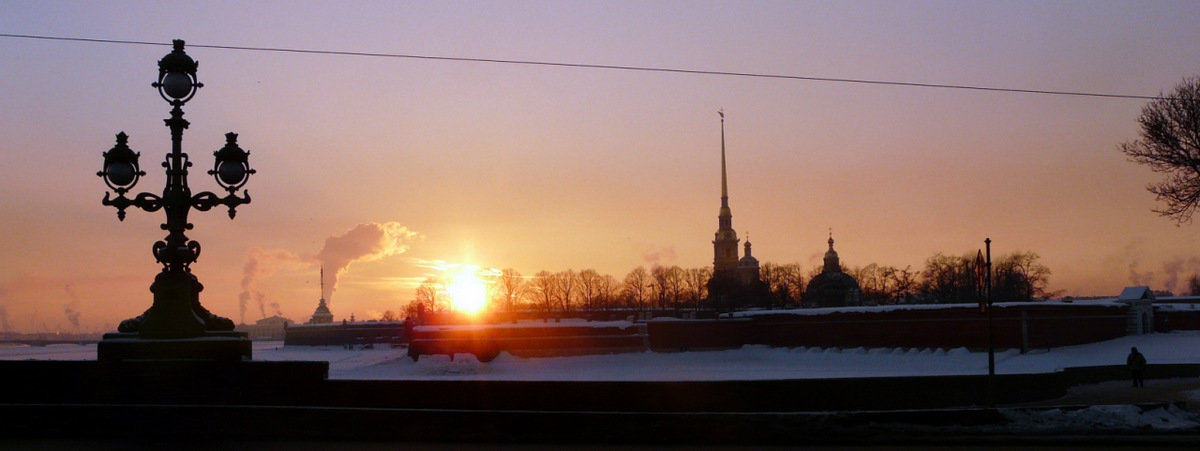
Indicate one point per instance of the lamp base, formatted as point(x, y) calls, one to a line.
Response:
point(212, 345)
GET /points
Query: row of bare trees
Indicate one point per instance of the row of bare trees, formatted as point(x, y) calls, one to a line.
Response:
point(660, 288)
point(1019, 276)
point(945, 278)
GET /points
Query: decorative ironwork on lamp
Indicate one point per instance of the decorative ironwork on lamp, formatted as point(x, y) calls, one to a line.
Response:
point(176, 312)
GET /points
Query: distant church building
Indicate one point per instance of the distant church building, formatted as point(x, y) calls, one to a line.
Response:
point(832, 288)
point(735, 282)
point(322, 315)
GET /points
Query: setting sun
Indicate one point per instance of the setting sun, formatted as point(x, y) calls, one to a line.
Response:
point(467, 291)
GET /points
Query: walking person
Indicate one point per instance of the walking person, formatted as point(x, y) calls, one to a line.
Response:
point(1136, 362)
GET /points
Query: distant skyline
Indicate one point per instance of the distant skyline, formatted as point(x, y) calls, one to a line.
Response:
point(458, 164)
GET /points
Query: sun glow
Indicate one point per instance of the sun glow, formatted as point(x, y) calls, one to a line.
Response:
point(467, 291)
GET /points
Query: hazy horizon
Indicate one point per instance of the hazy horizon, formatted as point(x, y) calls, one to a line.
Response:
point(554, 168)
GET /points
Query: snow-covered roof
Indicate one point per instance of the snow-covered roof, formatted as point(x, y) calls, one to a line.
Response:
point(570, 322)
point(1176, 300)
point(1136, 293)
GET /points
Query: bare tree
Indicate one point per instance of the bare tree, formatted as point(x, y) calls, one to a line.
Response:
point(412, 310)
point(949, 279)
point(903, 282)
point(795, 283)
point(675, 286)
point(785, 281)
point(608, 291)
point(658, 286)
point(565, 283)
point(696, 281)
point(637, 286)
point(1019, 276)
point(873, 281)
point(1170, 145)
point(589, 288)
point(770, 274)
point(426, 299)
point(543, 287)
point(512, 288)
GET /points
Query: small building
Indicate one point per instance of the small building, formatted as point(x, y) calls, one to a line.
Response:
point(1141, 309)
point(321, 315)
point(272, 328)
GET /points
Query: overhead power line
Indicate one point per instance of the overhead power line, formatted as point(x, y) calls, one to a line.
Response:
point(599, 66)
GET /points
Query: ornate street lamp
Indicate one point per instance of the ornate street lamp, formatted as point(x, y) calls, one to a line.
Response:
point(170, 327)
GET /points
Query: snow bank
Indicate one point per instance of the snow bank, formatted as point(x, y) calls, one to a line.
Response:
point(1109, 417)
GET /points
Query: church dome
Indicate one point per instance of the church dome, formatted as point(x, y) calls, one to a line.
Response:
point(832, 287)
point(833, 281)
point(748, 260)
point(832, 263)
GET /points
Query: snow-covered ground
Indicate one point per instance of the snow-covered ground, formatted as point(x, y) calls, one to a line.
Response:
point(747, 363)
point(760, 362)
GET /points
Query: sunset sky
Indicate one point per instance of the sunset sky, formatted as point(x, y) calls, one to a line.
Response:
point(555, 168)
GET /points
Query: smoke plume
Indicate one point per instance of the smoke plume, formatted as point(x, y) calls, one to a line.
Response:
point(262, 308)
point(72, 316)
point(261, 263)
point(1133, 255)
point(659, 257)
point(69, 308)
point(1176, 267)
point(364, 243)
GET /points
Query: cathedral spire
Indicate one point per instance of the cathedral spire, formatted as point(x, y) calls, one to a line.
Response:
point(321, 315)
point(726, 214)
point(724, 184)
point(725, 246)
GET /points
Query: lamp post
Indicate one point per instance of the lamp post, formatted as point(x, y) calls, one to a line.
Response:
point(983, 271)
point(990, 314)
point(176, 313)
